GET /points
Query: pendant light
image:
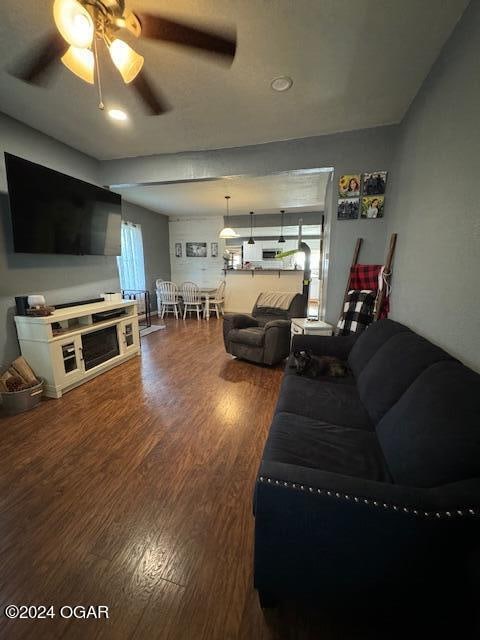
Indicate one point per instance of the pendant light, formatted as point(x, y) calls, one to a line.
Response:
point(227, 232)
point(251, 240)
point(281, 238)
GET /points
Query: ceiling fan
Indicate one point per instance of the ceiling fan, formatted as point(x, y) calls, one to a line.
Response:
point(82, 24)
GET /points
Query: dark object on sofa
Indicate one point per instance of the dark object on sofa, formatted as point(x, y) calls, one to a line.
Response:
point(263, 336)
point(310, 365)
point(371, 483)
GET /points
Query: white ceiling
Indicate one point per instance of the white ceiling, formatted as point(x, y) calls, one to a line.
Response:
point(293, 191)
point(355, 64)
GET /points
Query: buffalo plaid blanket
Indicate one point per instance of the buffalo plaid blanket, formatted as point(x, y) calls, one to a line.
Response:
point(357, 312)
point(365, 282)
point(370, 276)
point(365, 276)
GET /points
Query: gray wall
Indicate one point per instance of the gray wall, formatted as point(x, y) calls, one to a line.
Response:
point(59, 278)
point(65, 278)
point(62, 278)
point(23, 141)
point(356, 151)
point(156, 246)
point(434, 203)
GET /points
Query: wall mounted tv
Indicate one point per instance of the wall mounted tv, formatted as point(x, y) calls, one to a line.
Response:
point(55, 213)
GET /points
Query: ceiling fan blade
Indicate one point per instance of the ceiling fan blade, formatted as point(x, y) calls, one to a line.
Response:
point(154, 104)
point(38, 63)
point(187, 35)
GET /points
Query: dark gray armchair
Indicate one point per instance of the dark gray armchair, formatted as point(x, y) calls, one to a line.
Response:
point(263, 336)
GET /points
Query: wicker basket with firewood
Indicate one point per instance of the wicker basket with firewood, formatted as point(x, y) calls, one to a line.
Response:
point(20, 388)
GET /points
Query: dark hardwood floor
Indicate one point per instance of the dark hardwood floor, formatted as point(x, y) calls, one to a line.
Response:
point(135, 491)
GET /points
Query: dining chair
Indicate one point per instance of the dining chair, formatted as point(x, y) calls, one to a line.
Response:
point(159, 303)
point(167, 295)
point(218, 299)
point(192, 299)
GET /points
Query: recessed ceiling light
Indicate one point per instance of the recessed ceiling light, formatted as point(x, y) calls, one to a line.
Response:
point(117, 114)
point(283, 83)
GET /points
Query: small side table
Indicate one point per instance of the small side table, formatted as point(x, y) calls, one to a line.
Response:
point(310, 327)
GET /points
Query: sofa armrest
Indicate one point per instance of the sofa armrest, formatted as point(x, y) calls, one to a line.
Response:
point(336, 346)
point(316, 530)
point(280, 324)
point(454, 497)
point(236, 321)
point(277, 341)
point(239, 321)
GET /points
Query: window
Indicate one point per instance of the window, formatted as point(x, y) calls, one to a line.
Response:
point(131, 266)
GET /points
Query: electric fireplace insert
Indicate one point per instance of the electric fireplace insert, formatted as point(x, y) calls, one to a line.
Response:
point(99, 346)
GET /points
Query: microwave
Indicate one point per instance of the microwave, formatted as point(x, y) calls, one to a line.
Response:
point(269, 254)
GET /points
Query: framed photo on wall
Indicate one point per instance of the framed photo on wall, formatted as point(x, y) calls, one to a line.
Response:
point(178, 249)
point(349, 185)
point(348, 208)
point(374, 184)
point(372, 206)
point(214, 249)
point(196, 249)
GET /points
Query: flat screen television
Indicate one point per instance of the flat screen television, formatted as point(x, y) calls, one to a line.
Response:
point(55, 213)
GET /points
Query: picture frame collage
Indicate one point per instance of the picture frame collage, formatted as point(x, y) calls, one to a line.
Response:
point(361, 195)
point(196, 250)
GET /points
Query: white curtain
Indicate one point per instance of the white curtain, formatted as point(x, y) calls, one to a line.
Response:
point(131, 265)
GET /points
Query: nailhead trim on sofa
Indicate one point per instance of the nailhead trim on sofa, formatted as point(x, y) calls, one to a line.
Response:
point(375, 503)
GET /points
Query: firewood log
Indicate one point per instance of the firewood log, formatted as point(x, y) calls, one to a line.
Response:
point(23, 370)
point(3, 380)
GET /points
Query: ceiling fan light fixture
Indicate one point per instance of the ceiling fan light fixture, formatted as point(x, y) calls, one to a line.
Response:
point(80, 62)
point(127, 60)
point(74, 23)
point(130, 21)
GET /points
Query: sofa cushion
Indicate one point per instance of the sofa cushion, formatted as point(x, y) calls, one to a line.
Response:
point(329, 401)
point(431, 436)
point(306, 442)
point(393, 368)
point(370, 341)
point(253, 336)
point(267, 314)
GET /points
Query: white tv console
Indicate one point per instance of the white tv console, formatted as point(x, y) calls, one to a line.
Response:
point(68, 348)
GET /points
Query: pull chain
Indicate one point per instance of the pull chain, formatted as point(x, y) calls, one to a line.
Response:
point(101, 106)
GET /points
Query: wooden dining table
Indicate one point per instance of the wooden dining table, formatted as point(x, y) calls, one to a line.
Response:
point(206, 293)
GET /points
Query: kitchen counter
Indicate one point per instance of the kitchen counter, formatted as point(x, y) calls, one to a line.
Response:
point(245, 285)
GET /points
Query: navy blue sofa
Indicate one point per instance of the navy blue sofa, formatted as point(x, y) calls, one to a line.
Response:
point(370, 483)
